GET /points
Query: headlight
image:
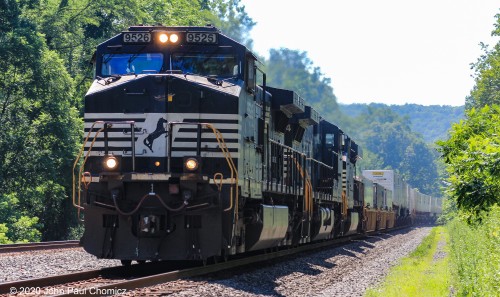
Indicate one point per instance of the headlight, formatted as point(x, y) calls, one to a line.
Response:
point(111, 163)
point(163, 38)
point(191, 164)
point(174, 38)
point(167, 37)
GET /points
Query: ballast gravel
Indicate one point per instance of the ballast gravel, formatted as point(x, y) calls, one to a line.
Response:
point(343, 271)
point(37, 264)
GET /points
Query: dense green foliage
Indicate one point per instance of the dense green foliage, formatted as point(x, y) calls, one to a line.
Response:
point(39, 128)
point(432, 122)
point(475, 258)
point(472, 154)
point(396, 146)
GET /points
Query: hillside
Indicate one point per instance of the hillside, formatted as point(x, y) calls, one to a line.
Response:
point(432, 122)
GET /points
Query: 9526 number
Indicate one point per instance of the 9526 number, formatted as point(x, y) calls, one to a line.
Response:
point(201, 37)
point(136, 37)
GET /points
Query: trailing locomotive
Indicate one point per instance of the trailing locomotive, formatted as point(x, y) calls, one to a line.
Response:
point(187, 157)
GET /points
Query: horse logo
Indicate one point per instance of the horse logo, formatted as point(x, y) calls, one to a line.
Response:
point(160, 130)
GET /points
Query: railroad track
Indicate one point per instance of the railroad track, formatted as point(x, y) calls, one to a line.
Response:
point(117, 280)
point(36, 246)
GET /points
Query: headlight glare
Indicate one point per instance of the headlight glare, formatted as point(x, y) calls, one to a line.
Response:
point(111, 163)
point(163, 38)
point(191, 164)
point(174, 38)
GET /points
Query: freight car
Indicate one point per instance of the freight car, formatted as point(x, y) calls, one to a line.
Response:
point(405, 205)
point(187, 157)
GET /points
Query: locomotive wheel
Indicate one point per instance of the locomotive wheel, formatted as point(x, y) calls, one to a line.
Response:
point(126, 262)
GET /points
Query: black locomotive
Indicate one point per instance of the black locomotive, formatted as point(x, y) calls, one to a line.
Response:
point(187, 157)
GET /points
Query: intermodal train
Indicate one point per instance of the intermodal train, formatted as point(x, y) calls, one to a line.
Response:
point(188, 154)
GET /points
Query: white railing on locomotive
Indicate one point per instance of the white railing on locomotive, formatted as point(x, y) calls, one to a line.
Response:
point(283, 169)
point(170, 129)
point(199, 132)
point(81, 165)
point(234, 179)
point(108, 125)
point(324, 181)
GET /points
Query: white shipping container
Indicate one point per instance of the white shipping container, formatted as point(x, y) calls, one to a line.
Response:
point(385, 178)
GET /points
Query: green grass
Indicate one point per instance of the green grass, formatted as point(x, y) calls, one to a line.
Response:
point(419, 274)
point(475, 256)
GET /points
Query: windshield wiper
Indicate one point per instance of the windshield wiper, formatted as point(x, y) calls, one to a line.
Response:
point(108, 80)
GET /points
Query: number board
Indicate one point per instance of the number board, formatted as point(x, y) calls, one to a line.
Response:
point(201, 37)
point(136, 37)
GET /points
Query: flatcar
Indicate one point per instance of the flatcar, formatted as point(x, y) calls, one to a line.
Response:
point(187, 157)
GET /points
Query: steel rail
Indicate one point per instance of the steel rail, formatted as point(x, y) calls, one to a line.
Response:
point(5, 288)
point(35, 246)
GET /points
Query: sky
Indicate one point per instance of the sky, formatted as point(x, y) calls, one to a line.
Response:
point(385, 51)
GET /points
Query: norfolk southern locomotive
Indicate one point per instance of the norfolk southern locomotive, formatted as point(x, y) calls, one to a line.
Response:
point(187, 157)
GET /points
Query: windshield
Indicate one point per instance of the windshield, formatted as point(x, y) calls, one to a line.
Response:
point(205, 64)
point(119, 64)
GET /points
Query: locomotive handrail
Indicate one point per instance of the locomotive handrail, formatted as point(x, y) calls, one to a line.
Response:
point(307, 188)
point(233, 196)
point(287, 147)
point(234, 170)
point(320, 163)
point(80, 153)
point(78, 206)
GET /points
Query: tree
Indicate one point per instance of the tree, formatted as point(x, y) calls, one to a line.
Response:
point(292, 69)
point(389, 136)
point(231, 18)
point(3, 237)
point(472, 154)
point(486, 91)
point(39, 132)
